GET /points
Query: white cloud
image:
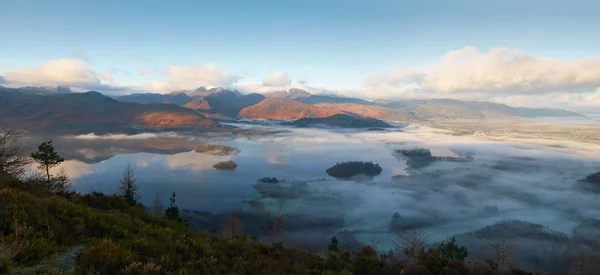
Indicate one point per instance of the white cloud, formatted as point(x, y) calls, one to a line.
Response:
point(193, 161)
point(500, 71)
point(187, 78)
point(106, 77)
point(277, 79)
point(55, 72)
point(92, 136)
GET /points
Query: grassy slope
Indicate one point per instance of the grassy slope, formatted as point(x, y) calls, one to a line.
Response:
point(44, 233)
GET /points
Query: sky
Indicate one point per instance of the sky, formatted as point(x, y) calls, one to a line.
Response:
point(524, 53)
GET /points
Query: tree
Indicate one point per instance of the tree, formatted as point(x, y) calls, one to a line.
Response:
point(158, 207)
point(234, 226)
point(128, 186)
point(47, 158)
point(333, 245)
point(60, 183)
point(451, 250)
point(172, 212)
point(11, 161)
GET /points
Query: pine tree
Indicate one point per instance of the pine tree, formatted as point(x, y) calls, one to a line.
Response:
point(172, 212)
point(128, 186)
point(47, 158)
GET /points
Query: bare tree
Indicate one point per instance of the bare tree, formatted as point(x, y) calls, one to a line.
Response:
point(276, 224)
point(128, 186)
point(503, 251)
point(375, 240)
point(578, 266)
point(11, 160)
point(158, 207)
point(60, 183)
point(411, 244)
point(234, 226)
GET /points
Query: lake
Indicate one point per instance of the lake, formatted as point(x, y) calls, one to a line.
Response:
point(534, 179)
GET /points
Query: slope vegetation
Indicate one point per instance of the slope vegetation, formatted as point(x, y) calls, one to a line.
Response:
point(284, 109)
point(68, 233)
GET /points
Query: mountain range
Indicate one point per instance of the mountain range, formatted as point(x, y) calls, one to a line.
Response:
point(82, 113)
point(296, 103)
point(60, 109)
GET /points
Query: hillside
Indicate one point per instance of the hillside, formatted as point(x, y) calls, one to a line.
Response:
point(284, 109)
point(92, 112)
point(373, 111)
point(315, 99)
point(452, 109)
point(69, 233)
point(223, 104)
point(340, 120)
point(146, 98)
point(198, 104)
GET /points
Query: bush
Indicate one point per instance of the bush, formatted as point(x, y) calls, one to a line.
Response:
point(105, 257)
point(5, 266)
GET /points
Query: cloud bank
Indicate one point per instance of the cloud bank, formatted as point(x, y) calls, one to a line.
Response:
point(503, 75)
point(55, 72)
point(277, 79)
point(499, 71)
point(92, 136)
point(187, 78)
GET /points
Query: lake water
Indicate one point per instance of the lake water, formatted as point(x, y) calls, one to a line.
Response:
point(303, 155)
point(536, 180)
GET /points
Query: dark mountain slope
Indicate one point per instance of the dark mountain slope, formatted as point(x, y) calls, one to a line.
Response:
point(341, 120)
point(92, 112)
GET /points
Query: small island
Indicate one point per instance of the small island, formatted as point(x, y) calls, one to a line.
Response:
point(217, 150)
point(268, 180)
point(225, 165)
point(353, 168)
point(341, 120)
point(419, 157)
point(593, 178)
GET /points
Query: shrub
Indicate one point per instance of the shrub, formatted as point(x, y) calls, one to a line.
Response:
point(5, 266)
point(451, 250)
point(105, 257)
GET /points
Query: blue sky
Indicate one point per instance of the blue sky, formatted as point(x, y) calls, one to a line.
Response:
point(333, 44)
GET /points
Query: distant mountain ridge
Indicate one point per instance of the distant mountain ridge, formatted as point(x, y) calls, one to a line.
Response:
point(295, 103)
point(82, 113)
